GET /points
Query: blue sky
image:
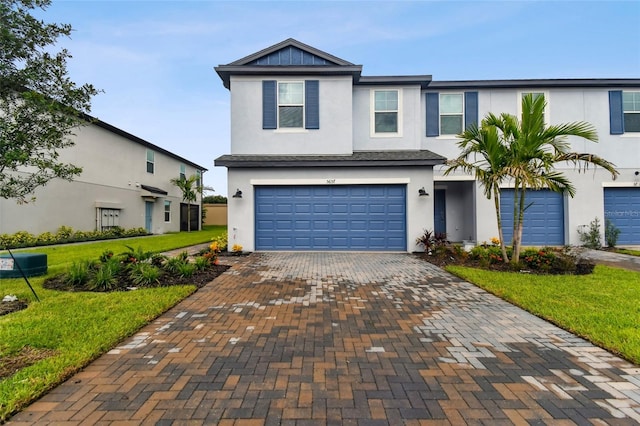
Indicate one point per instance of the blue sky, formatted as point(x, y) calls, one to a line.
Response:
point(154, 60)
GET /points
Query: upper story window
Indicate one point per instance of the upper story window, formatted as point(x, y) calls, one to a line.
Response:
point(199, 177)
point(451, 113)
point(624, 112)
point(631, 111)
point(290, 104)
point(535, 95)
point(150, 161)
point(183, 171)
point(386, 111)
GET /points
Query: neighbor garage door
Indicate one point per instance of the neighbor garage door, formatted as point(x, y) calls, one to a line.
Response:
point(543, 220)
point(341, 217)
point(622, 208)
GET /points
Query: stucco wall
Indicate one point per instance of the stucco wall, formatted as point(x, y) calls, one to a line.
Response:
point(333, 137)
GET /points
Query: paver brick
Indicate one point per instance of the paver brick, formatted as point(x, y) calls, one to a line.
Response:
point(346, 338)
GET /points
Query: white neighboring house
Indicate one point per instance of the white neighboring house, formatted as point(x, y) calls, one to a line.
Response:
point(323, 158)
point(125, 182)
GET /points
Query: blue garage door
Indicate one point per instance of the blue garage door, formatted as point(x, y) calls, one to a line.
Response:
point(543, 220)
point(622, 208)
point(341, 217)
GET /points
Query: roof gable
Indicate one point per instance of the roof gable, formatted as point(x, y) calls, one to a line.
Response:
point(291, 52)
point(289, 57)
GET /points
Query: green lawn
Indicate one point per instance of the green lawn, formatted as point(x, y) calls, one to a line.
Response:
point(602, 307)
point(79, 326)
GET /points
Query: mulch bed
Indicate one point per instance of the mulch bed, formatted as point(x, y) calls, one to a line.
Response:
point(27, 356)
point(9, 307)
point(199, 279)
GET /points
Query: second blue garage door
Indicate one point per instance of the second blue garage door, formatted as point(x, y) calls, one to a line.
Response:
point(341, 217)
point(622, 208)
point(543, 219)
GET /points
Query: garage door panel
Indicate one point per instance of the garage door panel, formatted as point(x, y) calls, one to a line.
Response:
point(350, 217)
point(543, 219)
point(622, 208)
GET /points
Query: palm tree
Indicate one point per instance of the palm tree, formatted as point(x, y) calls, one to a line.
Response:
point(484, 155)
point(527, 155)
point(190, 188)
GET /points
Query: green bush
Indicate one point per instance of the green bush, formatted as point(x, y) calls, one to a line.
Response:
point(611, 233)
point(173, 265)
point(186, 270)
point(144, 274)
point(64, 234)
point(79, 273)
point(106, 277)
point(590, 237)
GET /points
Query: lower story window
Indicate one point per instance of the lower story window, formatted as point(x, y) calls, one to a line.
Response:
point(167, 211)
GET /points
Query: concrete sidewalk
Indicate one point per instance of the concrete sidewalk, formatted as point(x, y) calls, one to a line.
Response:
point(346, 338)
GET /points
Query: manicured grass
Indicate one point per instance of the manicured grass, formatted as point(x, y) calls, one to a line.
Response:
point(79, 326)
point(601, 307)
point(628, 251)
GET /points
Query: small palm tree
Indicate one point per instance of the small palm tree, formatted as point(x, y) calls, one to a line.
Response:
point(484, 155)
point(525, 152)
point(190, 188)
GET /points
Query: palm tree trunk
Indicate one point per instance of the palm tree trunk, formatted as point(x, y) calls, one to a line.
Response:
point(496, 202)
point(188, 217)
point(517, 247)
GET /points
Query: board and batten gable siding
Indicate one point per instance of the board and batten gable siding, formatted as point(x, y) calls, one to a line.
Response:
point(329, 131)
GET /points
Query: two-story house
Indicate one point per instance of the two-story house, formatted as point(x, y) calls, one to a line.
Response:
point(125, 182)
point(324, 158)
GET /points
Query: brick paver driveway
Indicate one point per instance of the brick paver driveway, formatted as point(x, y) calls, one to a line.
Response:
point(346, 338)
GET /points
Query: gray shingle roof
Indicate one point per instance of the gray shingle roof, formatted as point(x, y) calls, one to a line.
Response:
point(357, 159)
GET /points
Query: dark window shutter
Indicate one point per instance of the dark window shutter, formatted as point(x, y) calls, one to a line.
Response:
point(470, 109)
point(433, 114)
point(616, 114)
point(269, 105)
point(312, 104)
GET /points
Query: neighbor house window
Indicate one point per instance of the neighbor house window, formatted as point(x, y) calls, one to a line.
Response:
point(199, 178)
point(451, 113)
point(150, 161)
point(167, 211)
point(631, 111)
point(183, 171)
point(291, 105)
point(386, 111)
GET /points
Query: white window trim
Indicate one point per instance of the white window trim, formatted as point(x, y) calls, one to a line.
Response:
point(440, 114)
point(372, 112)
point(630, 133)
point(547, 109)
point(164, 212)
point(153, 161)
point(278, 105)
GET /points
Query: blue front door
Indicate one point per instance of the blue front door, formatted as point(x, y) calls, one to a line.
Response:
point(148, 215)
point(341, 217)
point(439, 212)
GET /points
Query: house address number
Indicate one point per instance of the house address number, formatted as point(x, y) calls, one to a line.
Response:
point(331, 181)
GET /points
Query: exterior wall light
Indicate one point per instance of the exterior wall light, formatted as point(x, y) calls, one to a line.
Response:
point(422, 192)
point(238, 194)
